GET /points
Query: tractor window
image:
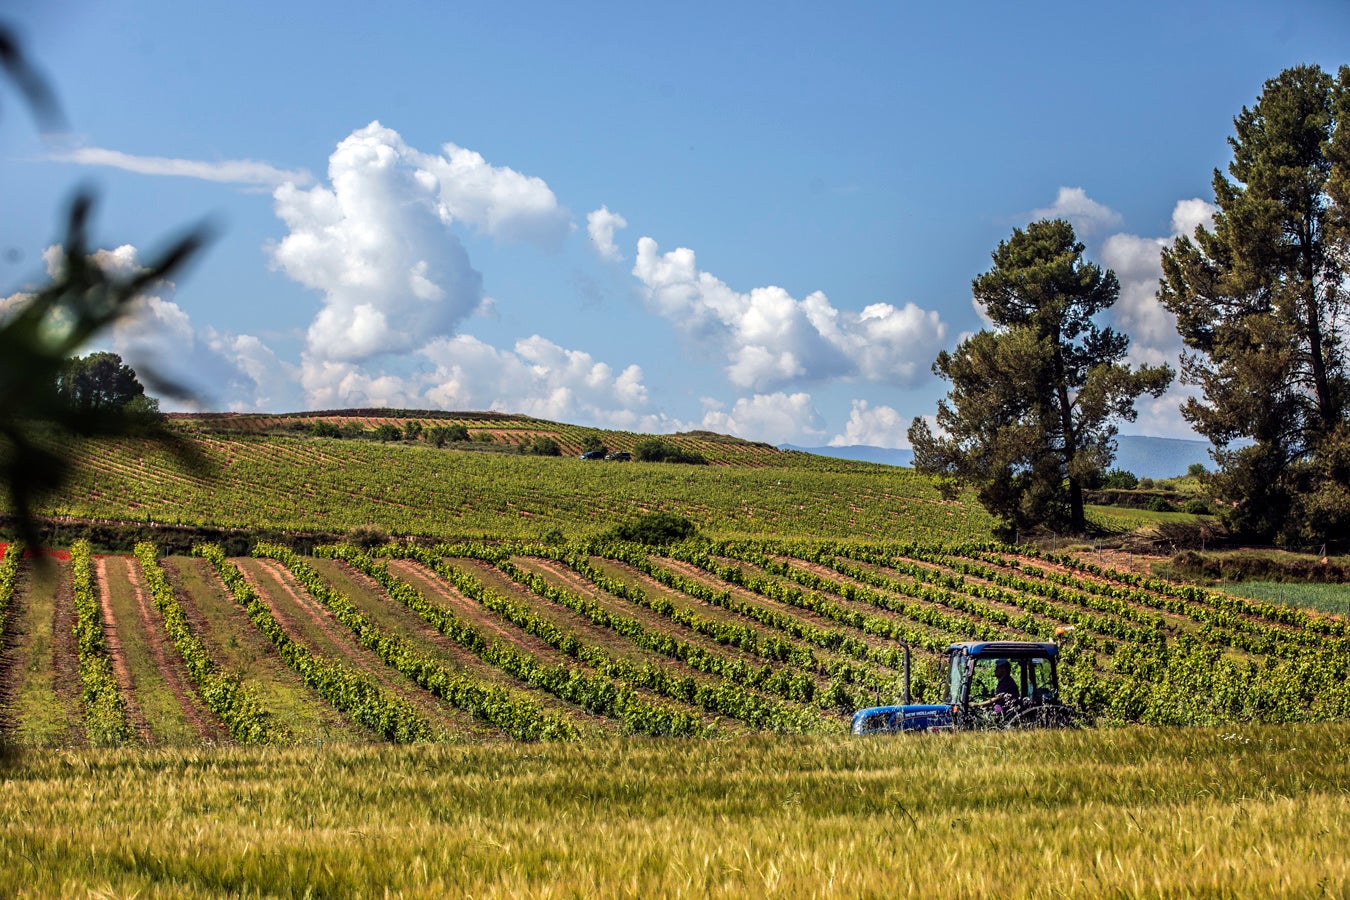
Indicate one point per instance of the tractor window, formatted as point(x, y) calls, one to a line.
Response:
point(955, 677)
point(983, 680)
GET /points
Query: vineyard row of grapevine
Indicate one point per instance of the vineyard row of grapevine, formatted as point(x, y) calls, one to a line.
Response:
point(694, 638)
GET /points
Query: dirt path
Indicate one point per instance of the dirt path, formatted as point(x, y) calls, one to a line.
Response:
point(825, 571)
point(172, 670)
point(691, 571)
point(113, 641)
point(559, 573)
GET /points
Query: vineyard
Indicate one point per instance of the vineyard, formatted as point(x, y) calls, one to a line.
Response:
point(475, 640)
point(301, 484)
point(291, 647)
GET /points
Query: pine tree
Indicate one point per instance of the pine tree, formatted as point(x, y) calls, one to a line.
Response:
point(1260, 303)
point(1032, 412)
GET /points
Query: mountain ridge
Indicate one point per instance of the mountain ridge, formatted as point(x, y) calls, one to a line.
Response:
point(1144, 455)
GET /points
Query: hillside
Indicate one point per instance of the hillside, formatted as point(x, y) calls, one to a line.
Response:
point(265, 473)
point(504, 608)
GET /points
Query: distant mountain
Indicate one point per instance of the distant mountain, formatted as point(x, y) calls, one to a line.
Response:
point(1147, 457)
point(859, 452)
point(1156, 457)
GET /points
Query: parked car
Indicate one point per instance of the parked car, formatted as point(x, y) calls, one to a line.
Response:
point(593, 454)
point(620, 456)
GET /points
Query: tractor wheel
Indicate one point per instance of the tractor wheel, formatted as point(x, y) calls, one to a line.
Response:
point(1045, 717)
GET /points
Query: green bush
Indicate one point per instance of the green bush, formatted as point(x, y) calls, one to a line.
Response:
point(1120, 480)
point(387, 432)
point(660, 450)
point(655, 529)
point(1196, 507)
point(541, 445)
point(325, 429)
point(1158, 504)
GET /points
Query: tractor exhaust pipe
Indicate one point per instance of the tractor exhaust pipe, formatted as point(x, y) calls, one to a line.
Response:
point(907, 699)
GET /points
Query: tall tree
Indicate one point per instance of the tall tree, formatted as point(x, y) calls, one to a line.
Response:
point(38, 335)
point(1260, 303)
point(1032, 412)
point(101, 381)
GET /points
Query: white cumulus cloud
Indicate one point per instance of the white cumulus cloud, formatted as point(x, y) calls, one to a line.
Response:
point(775, 418)
point(875, 426)
point(771, 339)
point(377, 240)
point(1078, 209)
point(536, 377)
point(601, 225)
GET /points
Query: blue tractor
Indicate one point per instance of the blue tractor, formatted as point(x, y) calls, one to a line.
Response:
point(989, 684)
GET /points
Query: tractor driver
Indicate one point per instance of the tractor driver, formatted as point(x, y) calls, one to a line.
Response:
point(1006, 688)
point(1006, 685)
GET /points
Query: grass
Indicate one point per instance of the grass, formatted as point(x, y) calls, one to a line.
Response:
point(42, 714)
point(1327, 598)
point(1238, 812)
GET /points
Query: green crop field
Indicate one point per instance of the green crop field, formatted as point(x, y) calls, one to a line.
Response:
point(305, 616)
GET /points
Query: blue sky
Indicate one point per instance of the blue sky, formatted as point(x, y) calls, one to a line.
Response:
point(761, 219)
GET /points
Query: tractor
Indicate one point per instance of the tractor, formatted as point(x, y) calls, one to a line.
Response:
point(989, 684)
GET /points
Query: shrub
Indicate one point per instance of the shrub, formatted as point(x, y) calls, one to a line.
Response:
point(1196, 507)
point(660, 450)
point(412, 430)
point(1158, 504)
point(1197, 470)
point(1120, 480)
point(655, 529)
point(387, 432)
point(325, 429)
point(541, 445)
point(592, 444)
point(367, 537)
point(458, 432)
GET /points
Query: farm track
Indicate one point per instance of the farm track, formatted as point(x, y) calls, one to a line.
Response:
point(658, 623)
point(582, 627)
point(814, 619)
point(64, 653)
point(309, 623)
point(507, 632)
point(168, 665)
point(113, 642)
point(855, 607)
point(824, 571)
point(559, 574)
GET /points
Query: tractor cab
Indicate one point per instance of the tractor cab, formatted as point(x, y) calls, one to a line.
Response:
point(989, 684)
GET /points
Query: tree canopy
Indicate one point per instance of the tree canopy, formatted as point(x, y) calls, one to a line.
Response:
point(39, 334)
point(1260, 302)
point(1034, 401)
point(101, 381)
